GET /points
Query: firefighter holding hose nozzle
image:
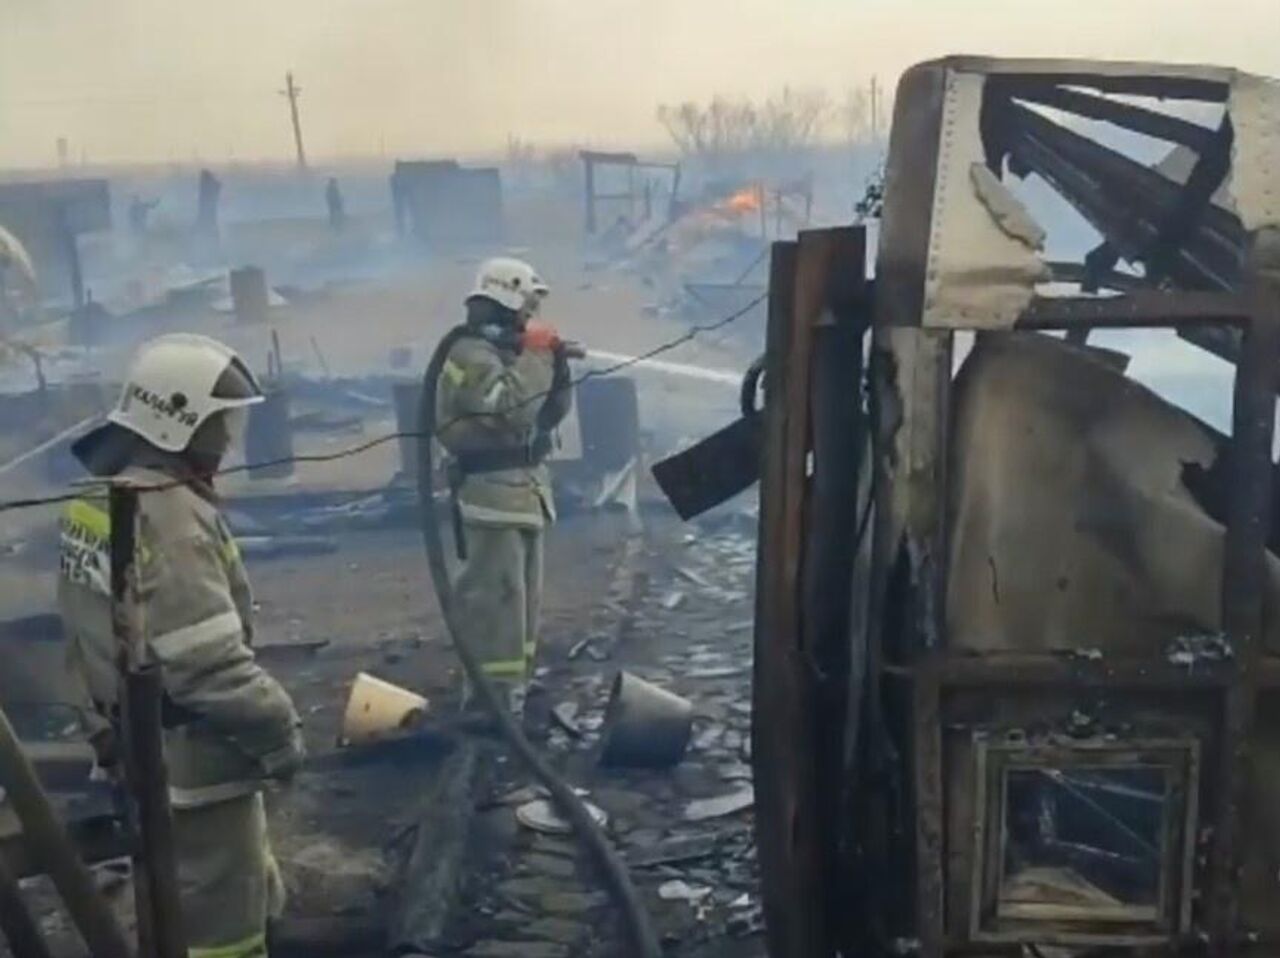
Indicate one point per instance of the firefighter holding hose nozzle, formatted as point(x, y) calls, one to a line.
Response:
point(503, 388)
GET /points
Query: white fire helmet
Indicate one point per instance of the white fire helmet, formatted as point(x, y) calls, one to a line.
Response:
point(176, 383)
point(512, 283)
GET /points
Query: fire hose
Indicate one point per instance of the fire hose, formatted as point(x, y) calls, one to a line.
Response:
point(617, 878)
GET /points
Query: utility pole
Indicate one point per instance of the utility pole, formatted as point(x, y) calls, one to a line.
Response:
point(292, 91)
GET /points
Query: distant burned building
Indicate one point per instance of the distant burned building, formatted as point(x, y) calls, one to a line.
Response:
point(444, 204)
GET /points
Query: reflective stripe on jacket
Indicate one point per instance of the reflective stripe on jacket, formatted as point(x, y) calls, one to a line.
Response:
point(495, 398)
point(239, 723)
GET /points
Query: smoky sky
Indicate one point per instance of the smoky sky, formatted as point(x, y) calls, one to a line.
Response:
point(157, 80)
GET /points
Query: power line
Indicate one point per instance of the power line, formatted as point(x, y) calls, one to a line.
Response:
point(688, 336)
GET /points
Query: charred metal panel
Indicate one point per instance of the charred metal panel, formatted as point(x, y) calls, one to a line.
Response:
point(958, 248)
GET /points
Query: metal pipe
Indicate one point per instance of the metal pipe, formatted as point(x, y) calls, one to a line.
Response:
point(52, 848)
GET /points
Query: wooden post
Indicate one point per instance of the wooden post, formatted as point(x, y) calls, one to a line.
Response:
point(838, 431)
point(51, 846)
point(250, 297)
point(794, 831)
point(590, 194)
point(75, 268)
point(19, 928)
point(155, 873)
point(429, 885)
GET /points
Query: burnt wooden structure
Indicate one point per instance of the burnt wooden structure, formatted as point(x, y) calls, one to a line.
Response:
point(875, 832)
point(593, 160)
point(446, 205)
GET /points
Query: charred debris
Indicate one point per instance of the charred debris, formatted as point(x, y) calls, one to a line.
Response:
point(1008, 682)
point(1016, 695)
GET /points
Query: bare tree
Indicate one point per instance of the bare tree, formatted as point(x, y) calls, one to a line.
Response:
point(520, 152)
point(786, 122)
point(855, 116)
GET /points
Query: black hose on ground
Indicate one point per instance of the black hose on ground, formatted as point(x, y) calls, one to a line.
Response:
point(617, 878)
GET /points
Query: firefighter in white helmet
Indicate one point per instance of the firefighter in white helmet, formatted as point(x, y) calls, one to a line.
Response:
point(503, 389)
point(229, 726)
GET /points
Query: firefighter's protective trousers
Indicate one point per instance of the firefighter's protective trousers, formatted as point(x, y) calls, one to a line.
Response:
point(229, 726)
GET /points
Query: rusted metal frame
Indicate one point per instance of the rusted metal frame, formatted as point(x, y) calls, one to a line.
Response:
point(782, 733)
point(1139, 309)
point(158, 905)
point(1208, 320)
point(1243, 581)
point(16, 924)
point(1139, 119)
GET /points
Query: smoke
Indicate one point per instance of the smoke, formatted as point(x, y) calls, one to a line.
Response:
point(157, 80)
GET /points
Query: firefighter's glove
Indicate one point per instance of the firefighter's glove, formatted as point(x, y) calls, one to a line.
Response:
point(542, 337)
point(285, 762)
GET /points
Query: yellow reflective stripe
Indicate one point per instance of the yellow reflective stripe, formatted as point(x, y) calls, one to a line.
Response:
point(492, 399)
point(90, 516)
point(231, 550)
point(96, 521)
point(457, 375)
point(255, 946)
point(507, 667)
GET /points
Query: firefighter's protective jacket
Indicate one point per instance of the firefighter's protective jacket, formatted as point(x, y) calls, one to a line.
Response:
point(228, 724)
point(491, 397)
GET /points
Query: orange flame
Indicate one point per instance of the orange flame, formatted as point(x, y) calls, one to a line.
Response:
point(746, 200)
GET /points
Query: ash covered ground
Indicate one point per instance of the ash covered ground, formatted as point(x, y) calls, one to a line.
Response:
point(340, 579)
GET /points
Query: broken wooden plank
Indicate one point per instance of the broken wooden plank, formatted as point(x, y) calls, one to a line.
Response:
point(430, 880)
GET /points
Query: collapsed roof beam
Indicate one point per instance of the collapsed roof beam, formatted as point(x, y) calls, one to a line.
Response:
point(1139, 212)
point(1133, 207)
point(1136, 118)
point(1159, 87)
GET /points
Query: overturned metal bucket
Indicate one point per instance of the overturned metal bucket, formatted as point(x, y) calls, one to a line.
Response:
point(644, 726)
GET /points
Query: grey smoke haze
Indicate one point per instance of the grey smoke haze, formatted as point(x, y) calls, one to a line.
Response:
point(169, 79)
